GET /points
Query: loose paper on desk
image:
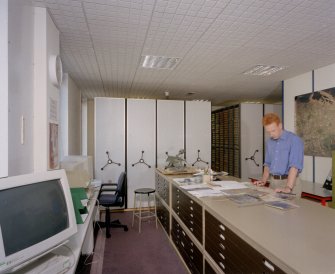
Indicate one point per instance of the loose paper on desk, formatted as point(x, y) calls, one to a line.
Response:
point(205, 192)
point(195, 186)
point(225, 185)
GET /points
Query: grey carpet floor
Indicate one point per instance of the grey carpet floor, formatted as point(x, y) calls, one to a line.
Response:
point(132, 252)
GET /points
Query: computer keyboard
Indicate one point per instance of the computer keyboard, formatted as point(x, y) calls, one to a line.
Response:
point(50, 263)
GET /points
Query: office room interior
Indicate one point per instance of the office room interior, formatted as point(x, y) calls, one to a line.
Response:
point(84, 67)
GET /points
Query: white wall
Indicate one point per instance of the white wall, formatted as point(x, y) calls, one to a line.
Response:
point(4, 88)
point(302, 84)
point(20, 87)
point(109, 136)
point(70, 121)
point(170, 129)
point(46, 43)
point(141, 136)
point(198, 133)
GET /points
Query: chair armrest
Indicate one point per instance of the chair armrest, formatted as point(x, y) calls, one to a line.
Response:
point(108, 187)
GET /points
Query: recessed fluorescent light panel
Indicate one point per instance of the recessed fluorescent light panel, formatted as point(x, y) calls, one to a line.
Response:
point(160, 62)
point(263, 70)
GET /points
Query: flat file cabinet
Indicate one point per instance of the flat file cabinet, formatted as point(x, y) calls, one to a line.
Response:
point(189, 211)
point(231, 253)
point(188, 250)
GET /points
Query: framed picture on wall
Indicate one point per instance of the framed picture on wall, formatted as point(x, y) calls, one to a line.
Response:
point(315, 122)
point(53, 146)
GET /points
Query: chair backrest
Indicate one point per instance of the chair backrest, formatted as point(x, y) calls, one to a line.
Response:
point(121, 186)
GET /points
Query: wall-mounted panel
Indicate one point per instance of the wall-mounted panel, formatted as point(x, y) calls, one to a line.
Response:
point(198, 133)
point(141, 136)
point(4, 88)
point(251, 140)
point(170, 129)
point(109, 121)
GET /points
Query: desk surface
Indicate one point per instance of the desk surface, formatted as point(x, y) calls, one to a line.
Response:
point(298, 240)
point(316, 189)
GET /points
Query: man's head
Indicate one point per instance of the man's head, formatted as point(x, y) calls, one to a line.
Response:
point(272, 125)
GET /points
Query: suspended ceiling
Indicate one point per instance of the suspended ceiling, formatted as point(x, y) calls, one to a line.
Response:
point(102, 43)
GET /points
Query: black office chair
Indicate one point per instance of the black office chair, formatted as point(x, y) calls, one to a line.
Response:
point(111, 195)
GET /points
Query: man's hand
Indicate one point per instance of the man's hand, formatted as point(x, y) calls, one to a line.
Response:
point(283, 190)
point(259, 183)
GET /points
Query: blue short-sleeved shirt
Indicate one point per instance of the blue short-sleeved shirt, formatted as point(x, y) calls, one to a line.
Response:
point(285, 152)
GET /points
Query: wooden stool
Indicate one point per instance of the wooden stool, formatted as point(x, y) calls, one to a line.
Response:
point(150, 212)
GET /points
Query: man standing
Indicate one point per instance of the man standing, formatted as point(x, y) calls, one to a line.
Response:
point(284, 156)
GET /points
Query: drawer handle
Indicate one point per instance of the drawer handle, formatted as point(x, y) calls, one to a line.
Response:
point(191, 208)
point(191, 243)
point(222, 227)
point(222, 265)
point(182, 244)
point(268, 265)
point(191, 257)
point(221, 255)
point(222, 237)
point(191, 229)
point(191, 222)
point(222, 246)
point(191, 215)
point(183, 233)
point(191, 201)
point(177, 190)
point(191, 250)
point(178, 207)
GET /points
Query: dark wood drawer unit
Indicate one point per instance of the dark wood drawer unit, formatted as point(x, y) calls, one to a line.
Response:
point(231, 253)
point(189, 211)
point(187, 249)
point(209, 269)
point(163, 215)
point(162, 188)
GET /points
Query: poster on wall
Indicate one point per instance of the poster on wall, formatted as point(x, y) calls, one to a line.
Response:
point(53, 146)
point(315, 122)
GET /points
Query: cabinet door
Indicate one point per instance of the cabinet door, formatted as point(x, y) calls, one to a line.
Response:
point(251, 140)
point(141, 136)
point(198, 133)
point(109, 121)
point(170, 129)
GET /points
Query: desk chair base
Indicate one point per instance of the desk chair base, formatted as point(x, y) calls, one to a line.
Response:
point(108, 224)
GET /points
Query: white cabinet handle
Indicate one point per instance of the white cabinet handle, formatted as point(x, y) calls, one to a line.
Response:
point(222, 227)
point(222, 237)
point(222, 265)
point(183, 233)
point(268, 265)
point(191, 208)
point(222, 246)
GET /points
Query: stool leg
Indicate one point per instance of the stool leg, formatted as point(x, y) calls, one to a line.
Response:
point(155, 209)
point(132, 224)
point(140, 218)
point(149, 208)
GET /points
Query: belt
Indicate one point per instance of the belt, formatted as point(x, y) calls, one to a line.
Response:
point(279, 177)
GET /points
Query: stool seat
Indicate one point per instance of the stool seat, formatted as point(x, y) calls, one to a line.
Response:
point(144, 190)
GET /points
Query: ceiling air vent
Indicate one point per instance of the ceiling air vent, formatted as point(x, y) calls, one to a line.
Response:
point(263, 70)
point(159, 62)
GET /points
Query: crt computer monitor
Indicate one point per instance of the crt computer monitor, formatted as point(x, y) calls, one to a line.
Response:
point(36, 216)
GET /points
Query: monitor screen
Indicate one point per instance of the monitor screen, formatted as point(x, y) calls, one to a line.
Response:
point(40, 212)
point(36, 217)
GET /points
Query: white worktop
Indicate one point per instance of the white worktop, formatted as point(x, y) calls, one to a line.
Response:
point(298, 240)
